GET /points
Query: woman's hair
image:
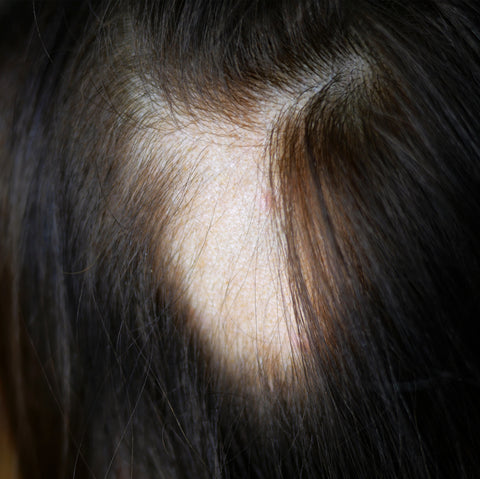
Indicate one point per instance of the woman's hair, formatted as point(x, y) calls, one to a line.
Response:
point(371, 114)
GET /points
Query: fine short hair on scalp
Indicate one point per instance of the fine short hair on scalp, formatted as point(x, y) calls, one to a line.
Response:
point(357, 121)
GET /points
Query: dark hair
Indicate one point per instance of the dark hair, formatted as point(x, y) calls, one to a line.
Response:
point(373, 160)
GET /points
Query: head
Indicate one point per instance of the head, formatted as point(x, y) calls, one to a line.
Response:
point(240, 239)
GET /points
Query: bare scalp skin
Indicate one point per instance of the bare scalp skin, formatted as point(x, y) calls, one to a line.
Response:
point(225, 245)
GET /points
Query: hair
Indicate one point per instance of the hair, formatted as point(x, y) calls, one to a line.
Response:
point(369, 112)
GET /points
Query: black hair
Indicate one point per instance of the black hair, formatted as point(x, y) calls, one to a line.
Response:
point(373, 158)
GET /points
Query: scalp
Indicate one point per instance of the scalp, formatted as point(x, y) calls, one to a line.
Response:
point(208, 198)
